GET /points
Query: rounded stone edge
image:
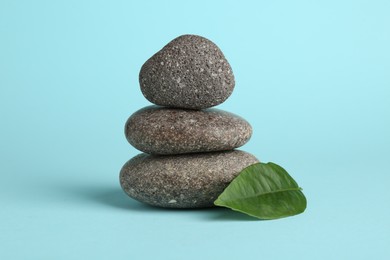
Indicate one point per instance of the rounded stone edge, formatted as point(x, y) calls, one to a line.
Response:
point(169, 104)
point(143, 148)
point(210, 203)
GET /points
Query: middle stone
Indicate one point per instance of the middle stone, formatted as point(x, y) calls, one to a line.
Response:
point(161, 130)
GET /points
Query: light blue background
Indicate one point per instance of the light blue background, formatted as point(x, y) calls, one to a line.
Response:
point(312, 79)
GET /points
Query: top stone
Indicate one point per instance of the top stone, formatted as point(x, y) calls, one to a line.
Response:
point(189, 72)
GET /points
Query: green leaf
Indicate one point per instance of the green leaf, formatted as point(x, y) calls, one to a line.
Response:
point(265, 191)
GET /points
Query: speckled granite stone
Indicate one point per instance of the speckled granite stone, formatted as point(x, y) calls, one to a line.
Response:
point(182, 181)
point(189, 72)
point(161, 130)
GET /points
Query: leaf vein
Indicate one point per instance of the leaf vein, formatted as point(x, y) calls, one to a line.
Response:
point(270, 192)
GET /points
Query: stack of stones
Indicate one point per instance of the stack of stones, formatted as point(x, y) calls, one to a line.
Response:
point(189, 156)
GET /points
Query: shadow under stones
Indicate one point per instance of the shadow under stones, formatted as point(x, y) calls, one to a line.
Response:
point(115, 197)
point(225, 214)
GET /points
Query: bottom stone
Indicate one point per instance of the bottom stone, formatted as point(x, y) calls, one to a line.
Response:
point(182, 181)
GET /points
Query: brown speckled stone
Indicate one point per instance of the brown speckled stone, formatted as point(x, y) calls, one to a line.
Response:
point(189, 72)
point(182, 181)
point(161, 130)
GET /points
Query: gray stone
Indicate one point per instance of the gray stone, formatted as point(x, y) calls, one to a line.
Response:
point(182, 181)
point(162, 130)
point(189, 72)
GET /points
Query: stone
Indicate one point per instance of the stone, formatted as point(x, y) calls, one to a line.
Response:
point(162, 130)
point(189, 72)
point(182, 181)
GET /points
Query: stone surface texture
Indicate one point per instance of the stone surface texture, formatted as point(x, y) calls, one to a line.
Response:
point(161, 130)
point(189, 72)
point(182, 181)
